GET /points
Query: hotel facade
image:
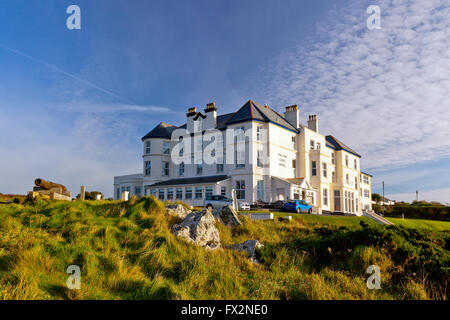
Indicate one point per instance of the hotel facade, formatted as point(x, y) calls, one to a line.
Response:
point(266, 156)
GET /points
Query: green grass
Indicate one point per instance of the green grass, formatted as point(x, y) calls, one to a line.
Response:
point(318, 220)
point(126, 251)
point(422, 224)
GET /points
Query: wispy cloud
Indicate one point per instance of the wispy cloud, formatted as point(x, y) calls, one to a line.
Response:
point(384, 92)
point(86, 106)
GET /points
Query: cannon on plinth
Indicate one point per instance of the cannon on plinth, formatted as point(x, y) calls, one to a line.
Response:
point(54, 190)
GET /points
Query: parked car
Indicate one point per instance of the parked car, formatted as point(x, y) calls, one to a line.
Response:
point(298, 206)
point(217, 201)
point(242, 206)
point(260, 204)
point(277, 204)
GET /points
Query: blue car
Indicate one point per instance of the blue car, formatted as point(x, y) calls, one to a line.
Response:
point(298, 206)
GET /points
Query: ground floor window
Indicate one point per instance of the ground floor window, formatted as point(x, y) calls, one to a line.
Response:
point(198, 193)
point(179, 194)
point(208, 191)
point(153, 192)
point(325, 197)
point(137, 191)
point(352, 201)
point(260, 190)
point(223, 191)
point(161, 194)
point(311, 198)
point(346, 200)
point(337, 200)
point(118, 193)
point(188, 194)
point(240, 189)
point(349, 201)
point(170, 194)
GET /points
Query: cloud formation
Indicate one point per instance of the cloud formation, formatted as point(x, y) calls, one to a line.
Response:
point(386, 92)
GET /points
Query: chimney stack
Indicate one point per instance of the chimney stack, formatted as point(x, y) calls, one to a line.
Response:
point(210, 107)
point(292, 115)
point(313, 123)
point(192, 112)
point(211, 116)
point(190, 119)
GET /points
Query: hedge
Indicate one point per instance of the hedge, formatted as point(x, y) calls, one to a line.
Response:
point(434, 212)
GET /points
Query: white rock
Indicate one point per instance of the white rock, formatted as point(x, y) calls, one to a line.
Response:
point(177, 210)
point(228, 216)
point(249, 247)
point(200, 229)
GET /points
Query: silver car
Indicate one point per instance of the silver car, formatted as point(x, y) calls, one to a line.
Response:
point(217, 201)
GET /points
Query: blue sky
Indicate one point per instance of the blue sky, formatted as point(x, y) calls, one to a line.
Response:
point(75, 103)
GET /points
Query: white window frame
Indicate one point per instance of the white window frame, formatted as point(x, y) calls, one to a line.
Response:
point(240, 189)
point(166, 147)
point(147, 168)
point(165, 168)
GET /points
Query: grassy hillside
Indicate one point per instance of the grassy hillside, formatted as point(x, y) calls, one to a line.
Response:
point(126, 251)
point(422, 224)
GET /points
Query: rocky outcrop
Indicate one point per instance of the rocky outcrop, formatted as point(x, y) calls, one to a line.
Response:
point(200, 229)
point(249, 247)
point(227, 215)
point(177, 210)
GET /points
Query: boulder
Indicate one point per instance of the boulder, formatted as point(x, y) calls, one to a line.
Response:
point(200, 229)
point(177, 210)
point(228, 216)
point(249, 247)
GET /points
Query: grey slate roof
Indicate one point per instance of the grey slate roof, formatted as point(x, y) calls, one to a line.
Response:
point(338, 145)
point(162, 130)
point(367, 174)
point(254, 111)
point(195, 180)
point(249, 111)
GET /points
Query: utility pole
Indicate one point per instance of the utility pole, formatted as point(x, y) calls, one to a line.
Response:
point(383, 192)
point(417, 195)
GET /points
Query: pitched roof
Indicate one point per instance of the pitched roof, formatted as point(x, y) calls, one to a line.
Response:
point(195, 180)
point(254, 111)
point(162, 130)
point(249, 111)
point(335, 144)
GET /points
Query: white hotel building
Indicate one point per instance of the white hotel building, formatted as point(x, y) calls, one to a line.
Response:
point(301, 163)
